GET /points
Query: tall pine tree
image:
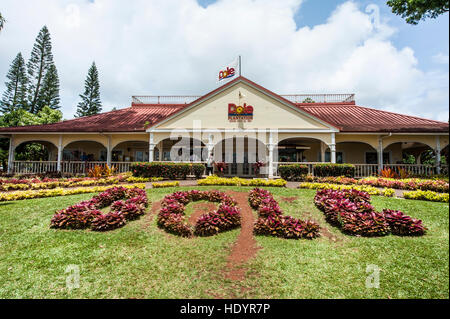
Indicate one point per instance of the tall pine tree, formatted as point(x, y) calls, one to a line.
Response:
point(49, 94)
point(38, 65)
point(90, 100)
point(15, 95)
point(2, 21)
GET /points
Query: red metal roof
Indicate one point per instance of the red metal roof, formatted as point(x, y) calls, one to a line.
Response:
point(353, 118)
point(132, 119)
point(347, 117)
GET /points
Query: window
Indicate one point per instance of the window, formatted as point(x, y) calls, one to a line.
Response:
point(339, 157)
point(103, 155)
point(117, 156)
point(141, 156)
point(69, 155)
point(372, 158)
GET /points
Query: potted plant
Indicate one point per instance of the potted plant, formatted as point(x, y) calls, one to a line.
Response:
point(257, 168)
point(220, 168)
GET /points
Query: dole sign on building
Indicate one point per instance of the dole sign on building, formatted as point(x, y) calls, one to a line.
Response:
point(240, 113)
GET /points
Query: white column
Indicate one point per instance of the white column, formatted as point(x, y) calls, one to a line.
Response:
point(160, 153)
point(60, 153)
point(270, 147)
point(109, 151)
point(323, 149)
point(210, 145)
point(438, 155)
point(380, 154)
point(11, 154)
point(151, 148)
point(333, 148)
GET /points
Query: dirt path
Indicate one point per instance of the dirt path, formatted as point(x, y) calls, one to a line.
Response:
point(199, 210)
point(289, 199)
point(245, 246)
point(156, 206)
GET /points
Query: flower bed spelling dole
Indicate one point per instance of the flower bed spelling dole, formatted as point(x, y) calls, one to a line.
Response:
point(172, 214)
point(351, 211)
point(30, 194)
point(126, 204)
point(236, 181)
point(272, 222)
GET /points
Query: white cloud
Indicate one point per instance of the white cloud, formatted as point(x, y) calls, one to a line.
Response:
point(441, 58)
point(176, 46)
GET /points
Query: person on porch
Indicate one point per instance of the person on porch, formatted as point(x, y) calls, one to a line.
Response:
point(210, 164)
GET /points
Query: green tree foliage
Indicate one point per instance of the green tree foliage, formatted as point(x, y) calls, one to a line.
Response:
point(90, 100)
point(40, 62)
point(2, 22)
point(49, 95)
point(308, 100)
point(15, 95)
point(21, 117)
point(415, 10)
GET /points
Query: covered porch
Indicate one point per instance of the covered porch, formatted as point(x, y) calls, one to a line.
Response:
point(77, 154)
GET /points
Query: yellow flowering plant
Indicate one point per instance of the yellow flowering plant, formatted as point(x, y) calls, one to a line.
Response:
point(388, 192)
point(236, 181)
point(30, 194)
point(166, 184)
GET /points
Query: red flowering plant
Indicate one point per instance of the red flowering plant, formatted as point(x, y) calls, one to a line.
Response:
point(256, 196)
point(221, 166)
point(171, 217)
point(225, 218)
point(109, 221)
point(403, 225)
point(352, 212)
point(126, 204)
point(257, 167)
point(272, 222)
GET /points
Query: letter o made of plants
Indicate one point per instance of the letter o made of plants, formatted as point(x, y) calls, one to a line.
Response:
point(171, 217)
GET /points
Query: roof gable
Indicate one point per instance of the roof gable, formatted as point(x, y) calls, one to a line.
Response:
point(270, 110)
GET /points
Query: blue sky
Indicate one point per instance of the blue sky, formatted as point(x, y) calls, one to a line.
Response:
point(428, 38)
point(176, 47)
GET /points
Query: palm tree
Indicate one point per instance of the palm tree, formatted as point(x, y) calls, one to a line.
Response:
point(2, 21)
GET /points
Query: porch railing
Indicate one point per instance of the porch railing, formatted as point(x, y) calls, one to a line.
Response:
point(296, 98)
point(79, 167)
point(121, 167)
point(25, 167)
point(73, 167)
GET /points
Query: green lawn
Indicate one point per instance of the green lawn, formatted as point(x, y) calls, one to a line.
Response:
point(142, 261)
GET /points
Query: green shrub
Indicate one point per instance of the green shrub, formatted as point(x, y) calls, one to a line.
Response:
point(167, 170)
point(323, 170)
point(198, 170)
point(293, 172)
